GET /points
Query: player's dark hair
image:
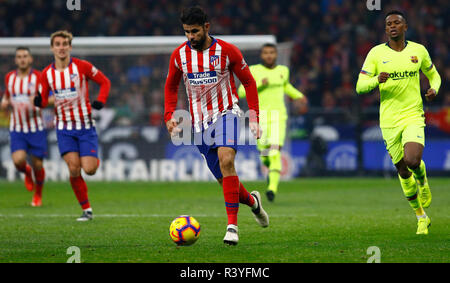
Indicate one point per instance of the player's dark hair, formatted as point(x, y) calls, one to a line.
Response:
point(194, 16)
point(269, 45)
point(23, 48)
point(395, 12)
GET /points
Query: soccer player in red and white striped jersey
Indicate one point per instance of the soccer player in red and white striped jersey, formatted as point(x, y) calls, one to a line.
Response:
point(27, 132)
point(207, 66)
point(67, 78)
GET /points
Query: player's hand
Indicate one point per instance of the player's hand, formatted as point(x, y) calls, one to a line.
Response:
point(430, 95)
point(4, 105)
point(97, 105)
point(255, 129)
point(36, 100)
point(302, 105)
point(382, 77)
point(172, 127)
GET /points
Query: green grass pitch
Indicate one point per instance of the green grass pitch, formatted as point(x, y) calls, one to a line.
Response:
point(312, 220)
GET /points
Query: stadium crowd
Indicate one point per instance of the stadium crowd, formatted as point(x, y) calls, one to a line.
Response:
point(331, 39)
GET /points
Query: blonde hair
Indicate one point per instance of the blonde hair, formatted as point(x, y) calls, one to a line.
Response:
point(61, 33)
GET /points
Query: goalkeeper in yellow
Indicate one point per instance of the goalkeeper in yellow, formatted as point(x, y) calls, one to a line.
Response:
point(272, 81)
point(394, 67)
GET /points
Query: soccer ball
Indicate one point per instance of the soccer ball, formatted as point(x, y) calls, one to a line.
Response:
point(184, 230)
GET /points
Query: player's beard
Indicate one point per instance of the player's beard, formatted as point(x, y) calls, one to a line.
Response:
point(24, 69)
point(198, 44)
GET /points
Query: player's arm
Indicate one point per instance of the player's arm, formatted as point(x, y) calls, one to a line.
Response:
point(240, 68)
point(6, 99)
point(290, 90)
point(368, 78)
point(105, 84)
point(432, 74)
point(41, 98)
point(171, 94)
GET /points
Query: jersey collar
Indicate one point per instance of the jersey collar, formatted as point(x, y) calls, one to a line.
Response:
point(53, 64)
point(406, 44)
point(212, 43)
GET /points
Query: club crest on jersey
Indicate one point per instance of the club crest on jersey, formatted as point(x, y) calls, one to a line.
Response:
point(214, 60)
point(414, 59)
point(73, 77)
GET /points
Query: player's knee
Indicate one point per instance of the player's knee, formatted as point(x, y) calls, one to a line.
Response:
point(19, 163)
point(226, 163)
point(412, 162)
point(37, 166)
point(74, 170)
point(90, 171)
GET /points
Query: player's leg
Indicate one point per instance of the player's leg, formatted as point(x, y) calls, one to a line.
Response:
point(274, 155)
point(19, 158)
point(38, 151)
point(235, 192)
point(88, 143)
point(19, 148)
point(226, 138)
point(414, 141)
point(410, 190)
point(277, 130)
point(78, 184)
point(409, 187)
point(244, 196)
point(393, 142)
point(230, 182)
point(89, 164)
point(39, 176)
point(69, 149)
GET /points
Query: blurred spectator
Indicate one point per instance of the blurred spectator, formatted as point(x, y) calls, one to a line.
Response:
point(331, 39)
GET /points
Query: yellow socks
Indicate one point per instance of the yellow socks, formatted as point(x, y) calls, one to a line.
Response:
point(409, 187)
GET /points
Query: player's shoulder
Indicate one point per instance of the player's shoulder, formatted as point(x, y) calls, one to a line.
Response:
point(256, 67)
point(80, 62)
point(176, 50)
point(45, 70)
point(36, 72)
point(226, 46)
point(283, 68)
point(10, 73)
point(416, 45)
point(378, 49)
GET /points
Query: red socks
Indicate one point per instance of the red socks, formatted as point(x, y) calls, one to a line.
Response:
point(245, 197)
point(235, 193)
point(26, 169)
point(39, 176)
point(80, 189)
point(230, 186)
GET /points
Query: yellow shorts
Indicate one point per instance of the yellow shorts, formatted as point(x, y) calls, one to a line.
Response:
point(396, 138)
point(273, 133)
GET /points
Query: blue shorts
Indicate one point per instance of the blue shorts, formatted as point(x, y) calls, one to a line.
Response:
point(223, 133)
point(33, 143)
point(84, 141)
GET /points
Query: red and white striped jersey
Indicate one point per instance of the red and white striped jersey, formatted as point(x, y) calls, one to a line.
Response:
point(25, 117)
point(209, 81)
point(71, 91)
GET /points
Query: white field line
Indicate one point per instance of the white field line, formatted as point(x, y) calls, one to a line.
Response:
point(126, 215)
point(162, 215)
